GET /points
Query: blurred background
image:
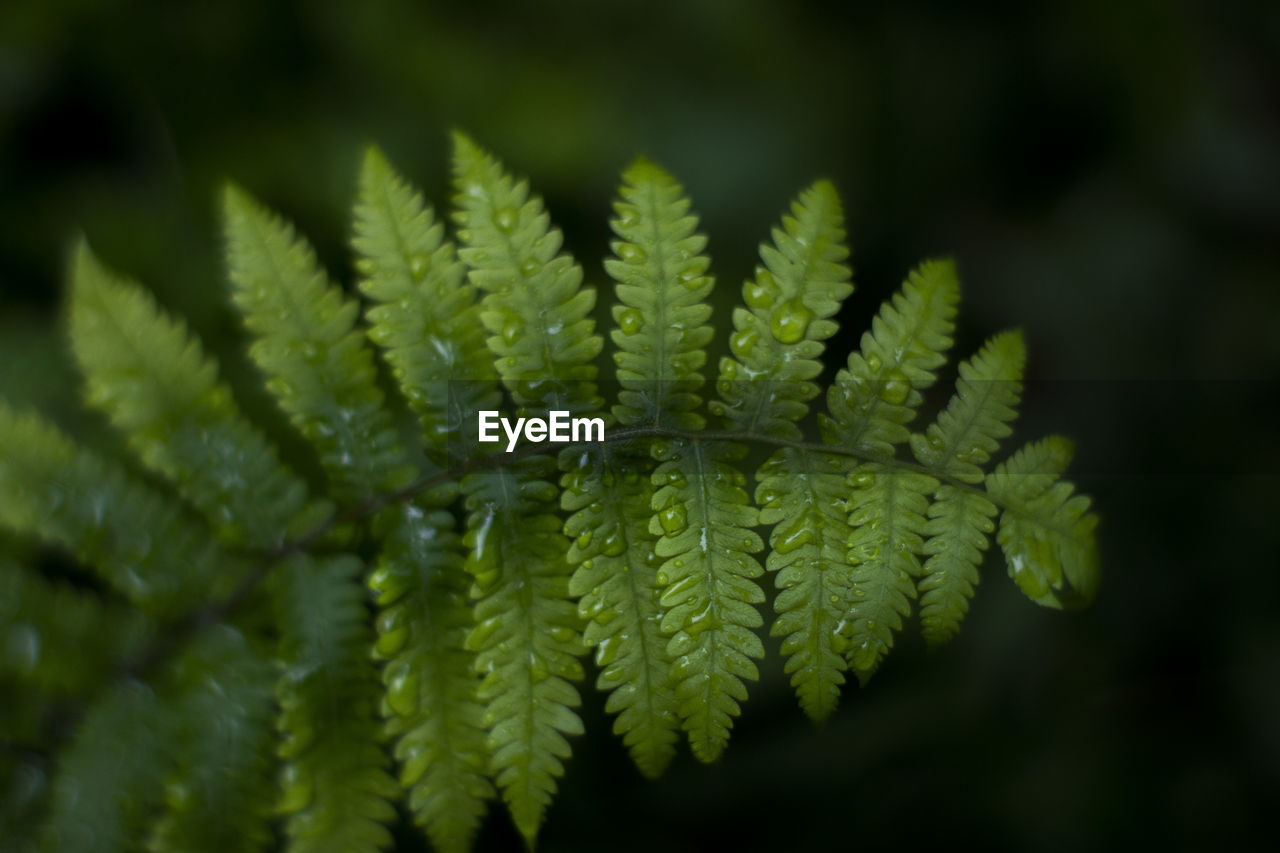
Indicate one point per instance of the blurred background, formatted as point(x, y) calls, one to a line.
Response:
point(1107, 176)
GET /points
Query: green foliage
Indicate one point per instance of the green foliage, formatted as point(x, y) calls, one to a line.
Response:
point(370, 627)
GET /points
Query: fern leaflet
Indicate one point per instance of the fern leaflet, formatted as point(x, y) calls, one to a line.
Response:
point(528, 632)
point(421, 298)
point(962, 439)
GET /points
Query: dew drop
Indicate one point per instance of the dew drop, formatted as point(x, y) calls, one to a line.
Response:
point(681, 643)
point(661, 449)
point(790, 322)
point(613, 545)
point(537, 668)
point(896, 388)
point(418, 266)
point(511, 331)
point(673, 519)
point(630, 321)
point(506, 219)
point(863, 480)
point(873, 363)
point(631, 253)
point(744, 341)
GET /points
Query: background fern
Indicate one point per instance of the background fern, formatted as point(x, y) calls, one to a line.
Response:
point(653, 565)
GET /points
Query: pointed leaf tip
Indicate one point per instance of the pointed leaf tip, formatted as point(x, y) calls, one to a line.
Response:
point(373, 161)
point(643, 169)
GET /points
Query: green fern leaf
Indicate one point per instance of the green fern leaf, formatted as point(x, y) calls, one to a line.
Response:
point(957, 444)
point(645, 551)
point(142, 543)
point(527, 633)
point(969, 429)
point(152, 379)
point(315, 359)
point(887, 515)
point(425, 315)
point(660, 330)
point(616, 580)
point(536, 310)
point(874, 398)
point(323, 375)
point(57, 639)
point(661, 315)
point(958, 526)
point(871, 403)
point(704, 519)
point(766, 388)
point(112, 775)
point(219, 797)
point(1046, 531)
point(426, 321)
point(431, 686)
point(334, 780)
point(767, 383)
point(805, 496)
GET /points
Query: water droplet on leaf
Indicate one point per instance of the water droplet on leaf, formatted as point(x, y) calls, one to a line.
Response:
point(790, 322)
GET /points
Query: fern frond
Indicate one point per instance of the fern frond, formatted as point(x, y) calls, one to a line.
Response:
point(527, 635)
point(426, 317)
point(527, 632)
point(887, 515)
point(307, 344)
point(459, 653)
point(958, 444)
point(535, 309)
point(704, 519)
point(660, 330)
point(335, 783)
point(112, 776)
point(958, 526)
point(142, 543)
point(969, 429)
point(153, 380)
point(322, 372)
point(430, 702)
point(616, 580)
point(766, 387)
point(219, 798)
point(1046, 531)
point(877, 394)
point(805, 496)
point(426, 320)
point(870, 404)
point(58, 639)
point(767, 383)
point(662, 314)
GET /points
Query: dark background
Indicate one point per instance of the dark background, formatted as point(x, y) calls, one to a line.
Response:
point(1107, 176)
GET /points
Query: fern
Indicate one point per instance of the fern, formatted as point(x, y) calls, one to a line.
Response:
point(419, 295)
point(432, 600)
point(870, 404)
